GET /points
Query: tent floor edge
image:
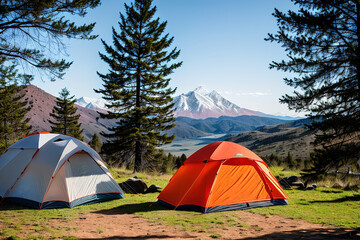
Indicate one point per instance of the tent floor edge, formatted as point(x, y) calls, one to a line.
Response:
point(195, 208)
point(22, 202)
point(96, 198)
point(249, 205)
point(241, 206)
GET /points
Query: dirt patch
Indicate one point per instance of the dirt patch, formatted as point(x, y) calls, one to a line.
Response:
point(131, 226)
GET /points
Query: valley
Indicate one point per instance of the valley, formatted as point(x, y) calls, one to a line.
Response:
point(264, 135)
point(278, 139)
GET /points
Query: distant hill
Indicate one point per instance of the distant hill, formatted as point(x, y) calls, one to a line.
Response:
point(187, 128)
point(280, 139)
point(42, 103)
point(263, 129)
point(198, 104)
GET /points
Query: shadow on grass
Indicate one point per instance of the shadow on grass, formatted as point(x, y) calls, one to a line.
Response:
point(310, 234)
point(140, 237)
point(133, 208)
point(331, 191)
point(339, 200)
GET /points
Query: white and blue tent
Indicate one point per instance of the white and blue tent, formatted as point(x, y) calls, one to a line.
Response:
point(47, 170)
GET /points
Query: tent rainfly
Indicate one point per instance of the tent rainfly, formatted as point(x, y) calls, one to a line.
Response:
point(45, 170)
point(222, 176)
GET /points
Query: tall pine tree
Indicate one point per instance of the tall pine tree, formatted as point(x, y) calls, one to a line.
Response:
point(13, 124)
point(137, 85)
point(95, 143)
point(322, 41)
point(64, 113)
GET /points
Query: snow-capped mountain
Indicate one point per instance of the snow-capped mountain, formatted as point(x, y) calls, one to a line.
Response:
point(91, 103)
point(202, 103)
point(197, 104)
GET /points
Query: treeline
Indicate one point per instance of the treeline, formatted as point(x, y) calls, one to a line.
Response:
point(288, 162)
point(306, 165)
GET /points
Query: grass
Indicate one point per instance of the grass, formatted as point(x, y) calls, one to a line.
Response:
point(216, 235)
point(325, 205)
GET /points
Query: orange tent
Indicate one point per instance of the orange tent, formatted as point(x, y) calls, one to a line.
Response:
point(222, 176)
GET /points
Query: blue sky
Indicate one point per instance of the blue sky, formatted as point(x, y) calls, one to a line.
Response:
point(222, 48)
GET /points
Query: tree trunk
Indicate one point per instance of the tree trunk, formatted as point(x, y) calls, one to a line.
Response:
point(65, 118)
point(358, 47)
point(138, 157)
point(138, 160)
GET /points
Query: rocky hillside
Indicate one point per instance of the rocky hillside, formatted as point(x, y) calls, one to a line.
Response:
point(291, 137)
point(42, 103)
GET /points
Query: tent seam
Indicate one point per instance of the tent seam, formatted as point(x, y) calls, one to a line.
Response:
point(189, 187)
point(262, 175)
point(222, 162)
point(54, 175)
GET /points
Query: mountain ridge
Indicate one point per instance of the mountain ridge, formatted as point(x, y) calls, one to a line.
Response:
point(42, 103)
point(220, 125)
point(198, 104)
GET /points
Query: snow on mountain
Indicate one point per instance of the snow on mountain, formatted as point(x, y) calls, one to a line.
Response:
point(91, 103)
point(197, 104)
point(202, 103)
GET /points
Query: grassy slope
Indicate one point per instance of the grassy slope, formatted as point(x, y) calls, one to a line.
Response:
point(325, 205)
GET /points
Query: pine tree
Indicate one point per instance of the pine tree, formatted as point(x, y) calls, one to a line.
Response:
point(322, 41)
point(13, 124)
point(180, 160)
point(64, 114)
point(167, 163)
point(275, 160)
point(95, 142)
point(32, 30)
point(136, 85)
point(290, 161)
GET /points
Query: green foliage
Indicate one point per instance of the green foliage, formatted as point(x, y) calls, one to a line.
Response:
point(291, 162)
point(32, 30)
point(64, 114)
point(180, 160)
point(273, 160)
point(13, 124)
point(215, 235)
point(322, 42)
point(137, 86)
point(95, 142)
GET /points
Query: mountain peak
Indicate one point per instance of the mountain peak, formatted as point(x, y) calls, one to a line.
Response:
point(201, 90)
point(91, 103)
point(201, 103)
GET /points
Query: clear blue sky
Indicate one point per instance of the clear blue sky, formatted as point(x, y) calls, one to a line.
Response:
point(222, 48)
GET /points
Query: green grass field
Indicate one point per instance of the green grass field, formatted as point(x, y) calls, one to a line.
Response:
point(325, 205)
